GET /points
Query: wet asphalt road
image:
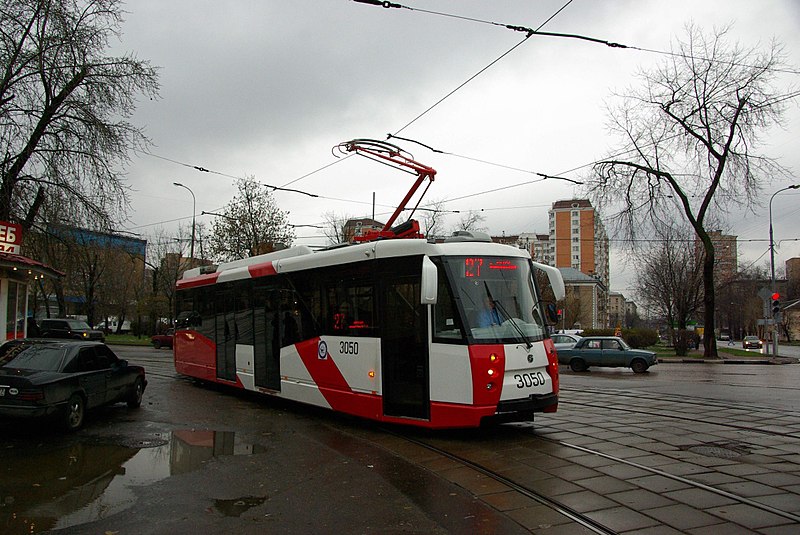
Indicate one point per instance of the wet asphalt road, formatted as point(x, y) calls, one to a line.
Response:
point(194, 459)
point(199, 459)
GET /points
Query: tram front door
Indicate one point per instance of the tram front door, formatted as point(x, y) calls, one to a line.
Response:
point(404, 349)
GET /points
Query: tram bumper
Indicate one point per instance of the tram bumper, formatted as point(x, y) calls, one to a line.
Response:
point(522, 410)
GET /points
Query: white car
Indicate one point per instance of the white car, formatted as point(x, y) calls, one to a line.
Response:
point(564, 340)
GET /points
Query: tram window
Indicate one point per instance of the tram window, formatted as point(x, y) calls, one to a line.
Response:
point(446, 321)
point(351, 310)
point(188, 317)
point(244, 315)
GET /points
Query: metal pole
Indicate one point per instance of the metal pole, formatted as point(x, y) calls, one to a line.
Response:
point(194, 211)
point(772, 271)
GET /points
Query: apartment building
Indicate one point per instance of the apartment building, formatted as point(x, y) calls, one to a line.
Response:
point(578, 239)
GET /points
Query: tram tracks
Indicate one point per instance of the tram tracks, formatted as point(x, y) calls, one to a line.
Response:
point(584, 519)
point(684, 416)
point(540, 498)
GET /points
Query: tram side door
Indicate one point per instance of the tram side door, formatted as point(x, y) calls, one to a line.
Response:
point(267, 347)
point(404, 348)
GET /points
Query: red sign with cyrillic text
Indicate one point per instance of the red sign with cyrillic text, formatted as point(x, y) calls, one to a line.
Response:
point(10, 237)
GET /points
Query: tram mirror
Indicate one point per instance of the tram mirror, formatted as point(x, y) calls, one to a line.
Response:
point(430, 282)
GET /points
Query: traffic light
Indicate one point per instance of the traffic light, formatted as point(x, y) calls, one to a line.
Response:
point(776, 303)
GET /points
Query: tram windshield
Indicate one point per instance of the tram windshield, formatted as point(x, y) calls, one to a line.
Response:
point(497, 298)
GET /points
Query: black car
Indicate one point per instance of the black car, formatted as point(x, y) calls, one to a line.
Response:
point(63, 378)
point(68, 328)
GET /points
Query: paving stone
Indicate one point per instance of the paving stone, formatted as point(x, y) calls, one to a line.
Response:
point(474, 482)
point(573, 472)
point(682, 516)
point(640, 499)
point(539, 517)
point(723, 528)
point(750, 489)
point(749, 516)
point(699, 498)
point(622, 519)
point(585, 501)
point(655, 530)
point(509, 500)
point(605, 484)
point(623, 471)
point(658, 483)
point(554, 487)
point(776, 480)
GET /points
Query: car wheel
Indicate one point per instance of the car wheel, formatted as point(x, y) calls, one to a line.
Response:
point(639, 366)
point(135, 398)
point(74, 413)
point(156, 344)
point(577, 365)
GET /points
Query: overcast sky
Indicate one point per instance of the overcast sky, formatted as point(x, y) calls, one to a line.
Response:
point(266, 88)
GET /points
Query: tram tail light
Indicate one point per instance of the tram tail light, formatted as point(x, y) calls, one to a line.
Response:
point(552, 363)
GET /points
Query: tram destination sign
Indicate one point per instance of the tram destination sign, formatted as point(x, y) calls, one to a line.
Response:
point(10, 237)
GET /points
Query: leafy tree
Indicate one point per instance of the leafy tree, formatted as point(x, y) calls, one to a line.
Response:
point(64, 105)
point(690, 138)
point(250, 224)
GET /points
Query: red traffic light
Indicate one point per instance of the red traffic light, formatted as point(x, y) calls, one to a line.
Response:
point(776, 296)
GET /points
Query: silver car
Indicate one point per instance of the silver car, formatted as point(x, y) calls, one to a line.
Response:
point(564, 340)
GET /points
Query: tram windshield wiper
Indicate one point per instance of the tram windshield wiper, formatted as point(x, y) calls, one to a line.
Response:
point(499, 306)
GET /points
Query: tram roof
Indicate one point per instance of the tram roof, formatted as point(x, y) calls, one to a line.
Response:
point(303, 257)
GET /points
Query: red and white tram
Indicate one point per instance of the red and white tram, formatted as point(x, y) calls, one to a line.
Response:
point(438, 335)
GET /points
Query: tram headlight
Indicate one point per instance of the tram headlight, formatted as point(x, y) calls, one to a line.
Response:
point(489, 386)
point(490, 372)
point(493, 358)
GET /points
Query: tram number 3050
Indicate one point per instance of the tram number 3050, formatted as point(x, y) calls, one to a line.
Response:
point(348, 348)
point(527, 380)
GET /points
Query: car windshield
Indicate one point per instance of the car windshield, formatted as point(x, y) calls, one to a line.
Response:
point(76, 324)
point(497, 297)
point(33, 357)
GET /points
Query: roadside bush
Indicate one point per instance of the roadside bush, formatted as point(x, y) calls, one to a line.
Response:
point(636, 338)
point(640, 338)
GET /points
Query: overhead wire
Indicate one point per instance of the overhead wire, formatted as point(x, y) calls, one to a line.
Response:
point(529, 32)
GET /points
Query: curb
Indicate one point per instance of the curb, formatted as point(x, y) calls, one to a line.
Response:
point(770, 361)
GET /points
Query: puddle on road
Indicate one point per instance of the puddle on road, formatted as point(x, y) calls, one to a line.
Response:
point(63, 487)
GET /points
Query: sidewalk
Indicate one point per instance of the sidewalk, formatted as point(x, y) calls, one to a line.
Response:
point(696, 357)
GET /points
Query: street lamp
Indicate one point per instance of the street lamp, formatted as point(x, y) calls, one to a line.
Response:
point(772, 267)
point(194, 210)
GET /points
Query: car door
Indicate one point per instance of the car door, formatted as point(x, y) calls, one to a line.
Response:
point(92, 377)
point(592, 352)
point(117, 377)
point(613, 354)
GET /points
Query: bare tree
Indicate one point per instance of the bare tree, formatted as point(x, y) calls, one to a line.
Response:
point(471, 220)
point(63, 106)
point(333, 227)
point(669, 278)
point(690, 143)
point(431, 218)
point(250, 224)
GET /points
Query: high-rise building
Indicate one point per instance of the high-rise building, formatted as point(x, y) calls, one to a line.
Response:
point(726, 264)
point(578, 239)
